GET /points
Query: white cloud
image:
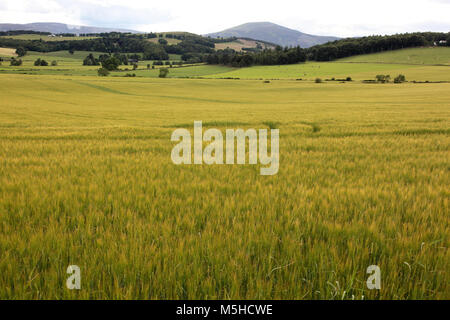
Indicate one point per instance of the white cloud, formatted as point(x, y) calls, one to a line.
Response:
point(326, 17)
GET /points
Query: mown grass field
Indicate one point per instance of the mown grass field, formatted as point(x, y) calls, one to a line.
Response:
point(86, 178)
point(7, 52)
point(239, 44)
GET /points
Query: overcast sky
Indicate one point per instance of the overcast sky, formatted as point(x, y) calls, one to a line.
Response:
point(324, 17)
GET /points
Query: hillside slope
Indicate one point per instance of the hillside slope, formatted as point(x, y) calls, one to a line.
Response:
point(425, 56)
point(271, 32)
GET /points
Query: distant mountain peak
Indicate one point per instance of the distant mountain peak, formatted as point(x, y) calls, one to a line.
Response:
point(56, 27)
point(273, 33)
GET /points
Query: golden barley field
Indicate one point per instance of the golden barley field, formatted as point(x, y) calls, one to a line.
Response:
point(86, 179)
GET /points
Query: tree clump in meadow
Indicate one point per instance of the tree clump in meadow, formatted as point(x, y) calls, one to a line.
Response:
point(90, 60)
point(163, 72)
point(111, 63)
point(400, 79)
point(383, 78)
point(103, 72)
point(16, 62)
point(40, 62)
point(21, 51)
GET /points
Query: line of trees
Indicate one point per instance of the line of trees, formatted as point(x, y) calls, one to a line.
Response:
point(108, 62)
point(19, 32)
point(263, 57)
point(192, 46)
point(110, 44)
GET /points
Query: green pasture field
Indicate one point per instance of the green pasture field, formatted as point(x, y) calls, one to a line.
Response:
point(86, 179)
point(307, 71)
point(359, 68)
point(179, 72)
point(61, 55)
point(170, 41)
point(68, 64)
point(426, 56)
point(329, 70)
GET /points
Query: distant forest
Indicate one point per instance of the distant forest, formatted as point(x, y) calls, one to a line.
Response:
point(192, 47)
point(197, 49)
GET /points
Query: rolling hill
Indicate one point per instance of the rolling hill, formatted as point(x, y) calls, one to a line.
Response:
point(415, 56)
point(55, 27)
point(271, 32)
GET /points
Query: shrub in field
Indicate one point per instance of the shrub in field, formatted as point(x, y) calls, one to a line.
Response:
point(400, 79)
point(318, 80)
point(315, 127)
point(54, 63)
point(16, 62)
point(41, 62)
point(103, 72)
point(163, 72)
point(348, 79)
point(111, 63)
point(383, 78)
